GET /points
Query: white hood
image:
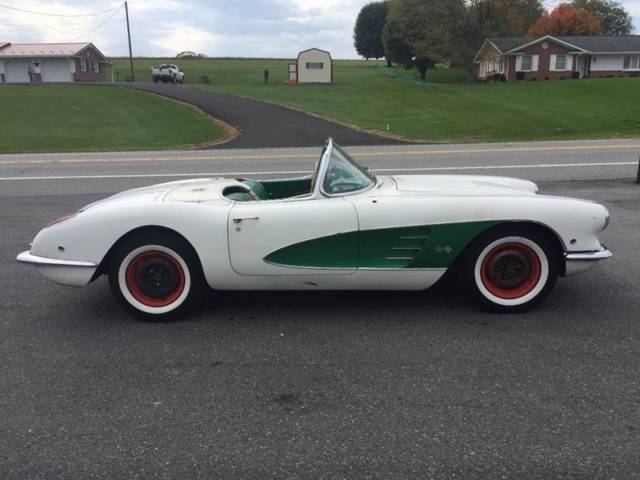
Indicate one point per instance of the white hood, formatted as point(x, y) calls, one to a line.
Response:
point(463, 185)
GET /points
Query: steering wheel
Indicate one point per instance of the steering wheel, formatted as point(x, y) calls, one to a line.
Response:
point(342, 185)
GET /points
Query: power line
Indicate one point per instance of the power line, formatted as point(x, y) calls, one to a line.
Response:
point(8, 7)
point(99, 26)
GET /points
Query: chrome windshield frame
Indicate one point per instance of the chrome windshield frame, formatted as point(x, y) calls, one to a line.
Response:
point(325, 161)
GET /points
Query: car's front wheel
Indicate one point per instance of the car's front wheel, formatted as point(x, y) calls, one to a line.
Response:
point(157, 277)
point(511, 269)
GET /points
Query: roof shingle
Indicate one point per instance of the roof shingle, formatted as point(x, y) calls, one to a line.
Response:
point(42, 49)
point(601, 44)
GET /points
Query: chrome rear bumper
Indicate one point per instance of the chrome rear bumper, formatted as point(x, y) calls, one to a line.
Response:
point(577, 262)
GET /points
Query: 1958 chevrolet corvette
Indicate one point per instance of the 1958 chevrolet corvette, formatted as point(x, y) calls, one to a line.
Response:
point(342, 228)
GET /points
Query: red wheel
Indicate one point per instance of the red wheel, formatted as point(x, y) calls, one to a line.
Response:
point(156, 275)
point(511, 270)
point(155, 278)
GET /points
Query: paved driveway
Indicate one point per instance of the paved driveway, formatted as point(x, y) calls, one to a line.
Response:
point(264, 125)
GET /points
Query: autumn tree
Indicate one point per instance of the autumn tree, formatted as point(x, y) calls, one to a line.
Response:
point(566, 20)
point(615, 20)
point(367, 33)
point(420, 33)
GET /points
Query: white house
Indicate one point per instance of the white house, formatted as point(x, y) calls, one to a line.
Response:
point(51, 62)
point(314, 66)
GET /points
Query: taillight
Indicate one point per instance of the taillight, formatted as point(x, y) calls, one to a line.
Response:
point(62, 219)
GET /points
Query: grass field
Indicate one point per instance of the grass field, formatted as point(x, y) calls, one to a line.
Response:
point(73, 118)
point(369, 95)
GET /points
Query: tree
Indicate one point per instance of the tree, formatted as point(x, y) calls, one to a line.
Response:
point(566, 20)
point(420, 33)
point(395, 48)
point(529, 11)
point(495, 18)
point(614, 18)
point(367, 33)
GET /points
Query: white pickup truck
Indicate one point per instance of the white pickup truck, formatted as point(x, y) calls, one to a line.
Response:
point(167, 73)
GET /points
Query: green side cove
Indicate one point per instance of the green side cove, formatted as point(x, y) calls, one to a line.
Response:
point(434, 246)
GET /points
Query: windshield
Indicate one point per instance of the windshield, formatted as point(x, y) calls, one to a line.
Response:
point(345, 175)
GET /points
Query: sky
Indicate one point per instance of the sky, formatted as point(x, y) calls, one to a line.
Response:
point(217, 28)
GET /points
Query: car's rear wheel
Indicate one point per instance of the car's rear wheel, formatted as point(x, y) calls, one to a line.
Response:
point(511, 269)
point(156, 277)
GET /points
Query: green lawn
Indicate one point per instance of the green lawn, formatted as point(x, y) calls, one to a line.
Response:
point(369, 95)
point(78, 118)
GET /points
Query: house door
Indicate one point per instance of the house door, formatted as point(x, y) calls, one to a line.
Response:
point(584, 63)
point(35, 71)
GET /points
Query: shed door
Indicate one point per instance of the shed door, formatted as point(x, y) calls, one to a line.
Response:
point(17, 71)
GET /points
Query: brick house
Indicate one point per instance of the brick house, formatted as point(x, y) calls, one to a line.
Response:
point(553, 58)
point(51, 62)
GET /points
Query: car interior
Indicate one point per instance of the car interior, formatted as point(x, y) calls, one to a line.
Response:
point(343, 175)
point(268, 189)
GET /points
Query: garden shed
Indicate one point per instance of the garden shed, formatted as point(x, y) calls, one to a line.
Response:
point(314, 66)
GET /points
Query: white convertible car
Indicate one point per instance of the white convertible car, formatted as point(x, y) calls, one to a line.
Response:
point(342, 228)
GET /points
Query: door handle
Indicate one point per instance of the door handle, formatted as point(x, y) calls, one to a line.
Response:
point(240, 219)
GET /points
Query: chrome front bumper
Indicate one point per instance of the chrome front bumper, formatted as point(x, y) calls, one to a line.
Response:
point(27, 257)
point(65, 272)
point(577, 262)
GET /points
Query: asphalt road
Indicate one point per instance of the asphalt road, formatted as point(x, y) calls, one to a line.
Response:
point(261, 124)
point(321, 385)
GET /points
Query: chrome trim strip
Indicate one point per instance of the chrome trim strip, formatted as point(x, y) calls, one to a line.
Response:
point(357, 269)
point(406, 269)
point(588, 256)
point(407, 248)
point(413, 237)
point(398, 258)
point(27, 257)
point(306, 267)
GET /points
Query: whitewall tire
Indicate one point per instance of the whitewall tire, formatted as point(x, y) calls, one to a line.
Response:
point(156, 277)
point(511, 269)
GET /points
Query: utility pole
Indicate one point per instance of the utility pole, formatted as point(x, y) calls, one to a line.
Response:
point(126, 10)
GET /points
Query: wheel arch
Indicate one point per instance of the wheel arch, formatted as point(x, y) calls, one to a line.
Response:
point(146, 229)
point(541, 228)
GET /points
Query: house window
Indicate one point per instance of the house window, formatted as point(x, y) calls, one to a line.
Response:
point(83, 65)
point(561, 62)
point(96, 67)
point(527, 62)
point(315, 65)
point(631, 62)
